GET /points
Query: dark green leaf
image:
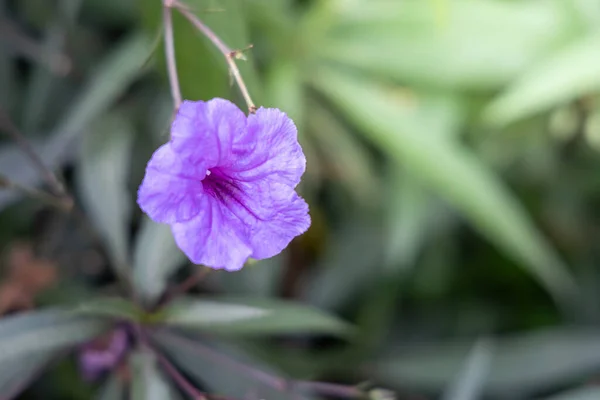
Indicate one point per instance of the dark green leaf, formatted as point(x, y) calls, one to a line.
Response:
point(472, 376)
point(519, 365)
point(102, 179)
point(111, 78)
point(223, 368)
point(449, 169)
point(14, 377)
point(252, 316)
point(114, 307)
point(38, 333)
point(571, 73)
point(148, 382)
point(415, 42)
point(155, 258)
point(588, 393)
point(113, 389)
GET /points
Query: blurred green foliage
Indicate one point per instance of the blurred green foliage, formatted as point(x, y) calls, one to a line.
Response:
point(452, 175)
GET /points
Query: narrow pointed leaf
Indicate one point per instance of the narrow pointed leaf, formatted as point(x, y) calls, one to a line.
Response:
point(571, 73)
point(155, 258)
point(449, 169)
point(102, 179)
point(14, 377)
point(115, 307)
point(252, 316)
point(113, 389)
point(36, 333)
point(111, 78)
point(148, 381)
point(520, 365)
point(409, 41)
point(472, 376)
point(587, 393)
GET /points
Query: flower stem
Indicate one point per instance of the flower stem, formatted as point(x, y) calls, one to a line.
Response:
point(170, 54)
point(275, 382)
point(9, 128)
point(229, 54)
point(185, 286)
point(62, 203)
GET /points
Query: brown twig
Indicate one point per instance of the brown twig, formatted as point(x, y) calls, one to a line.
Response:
point(328, 389)
point(170, 54)
point(62, 203)
point(58, 63)
point(9, 128)
point(179, 379)
point(183, 383)
point(229, 54)
point(275, 382)
point(191, 282)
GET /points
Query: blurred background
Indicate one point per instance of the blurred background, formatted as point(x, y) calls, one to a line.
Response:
point(453, 176)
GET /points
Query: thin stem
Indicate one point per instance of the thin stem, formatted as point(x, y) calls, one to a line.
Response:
point(183, 383)
point(229, 54)
point(57, 62)
point(9, 128)
point(170, 55)
point(191, 282)
point(63, 203)
point(328, 389)
point(275, 382)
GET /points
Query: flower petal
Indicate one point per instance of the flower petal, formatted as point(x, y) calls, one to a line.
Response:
point(270, 237)
point(172, 189)
point(269, 151)
point(215, 238)
point(205, 131)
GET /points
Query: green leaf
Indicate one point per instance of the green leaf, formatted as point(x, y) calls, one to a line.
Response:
point(223, 368)
point(202, 70)
point(114, 307)
point(252, 316)
point(586, 393)
point(14, 377)
point(410, 41)
point(155, 258)
point(38, 333)
point(260, 279)
point(571, 73)
point(113, 389)
point(472, 376)
point(352, 261)
point(520, 365)
point(451, 170)
point(39, 88)
point(8, 81)
point(148, 382)
point(102, 180)
point(111, 78)
point(347, 158)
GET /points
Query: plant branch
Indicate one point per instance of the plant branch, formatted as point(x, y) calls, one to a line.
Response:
point(229, 54)
point(170, 54)
point(189, 283)
point(275, 382)
point(183, 383)
point(9, 128)
point(63, 203)
point(57, 62)
point(179, 379)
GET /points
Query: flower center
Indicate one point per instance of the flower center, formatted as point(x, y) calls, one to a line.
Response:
point(220, 186)
point(227, 191)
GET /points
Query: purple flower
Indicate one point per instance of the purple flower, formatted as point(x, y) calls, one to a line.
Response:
point(226, 183)
point(102, 354)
